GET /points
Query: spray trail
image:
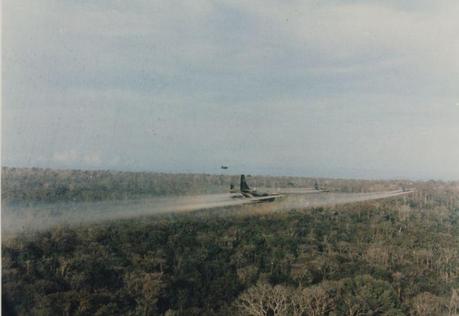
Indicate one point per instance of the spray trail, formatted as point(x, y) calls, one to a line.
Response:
point(16, 219)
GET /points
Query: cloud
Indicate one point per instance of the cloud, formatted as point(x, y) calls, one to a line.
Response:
point(153, 46)
point(71, 157)
point(256, 82)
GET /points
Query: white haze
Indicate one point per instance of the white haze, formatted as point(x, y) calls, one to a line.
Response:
point(27, 219)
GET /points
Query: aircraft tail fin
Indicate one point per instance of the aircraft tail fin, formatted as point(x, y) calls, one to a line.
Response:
point(244, 186)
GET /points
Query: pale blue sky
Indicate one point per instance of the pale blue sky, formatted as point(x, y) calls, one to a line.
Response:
point(366, 89)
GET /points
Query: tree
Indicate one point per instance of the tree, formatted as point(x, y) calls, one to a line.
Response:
point(145, 288)
point(264, 299)
point(313, 301)
point(426, 304)
point(453, 305)
point(364, 294)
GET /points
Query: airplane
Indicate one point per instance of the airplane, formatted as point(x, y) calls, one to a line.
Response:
point(318, 187)
point(245, 192)
point(224, 167)
point(244, 195)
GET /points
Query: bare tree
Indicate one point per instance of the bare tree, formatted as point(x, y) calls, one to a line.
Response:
point(447, 263)
point(313, 301)
point(426, 304)
point(378, 254)
point(453, 305)
point(264, 299)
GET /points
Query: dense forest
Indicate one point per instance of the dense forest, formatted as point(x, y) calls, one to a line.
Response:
point(398, 256)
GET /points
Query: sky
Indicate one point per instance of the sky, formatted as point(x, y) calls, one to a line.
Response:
point(321, 88)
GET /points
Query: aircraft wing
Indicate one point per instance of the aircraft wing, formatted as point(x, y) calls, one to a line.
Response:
point(245, 200)
point(288, 191)
point(265, 198)
point(297, 190)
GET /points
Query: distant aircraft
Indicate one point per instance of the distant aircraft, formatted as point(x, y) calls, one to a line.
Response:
point(318, 188)
point(245, 192)
point(224, 167)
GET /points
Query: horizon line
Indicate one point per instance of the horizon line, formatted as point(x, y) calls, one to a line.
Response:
point(228, 174)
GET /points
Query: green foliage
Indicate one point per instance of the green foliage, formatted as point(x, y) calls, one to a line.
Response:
point(373, 258)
